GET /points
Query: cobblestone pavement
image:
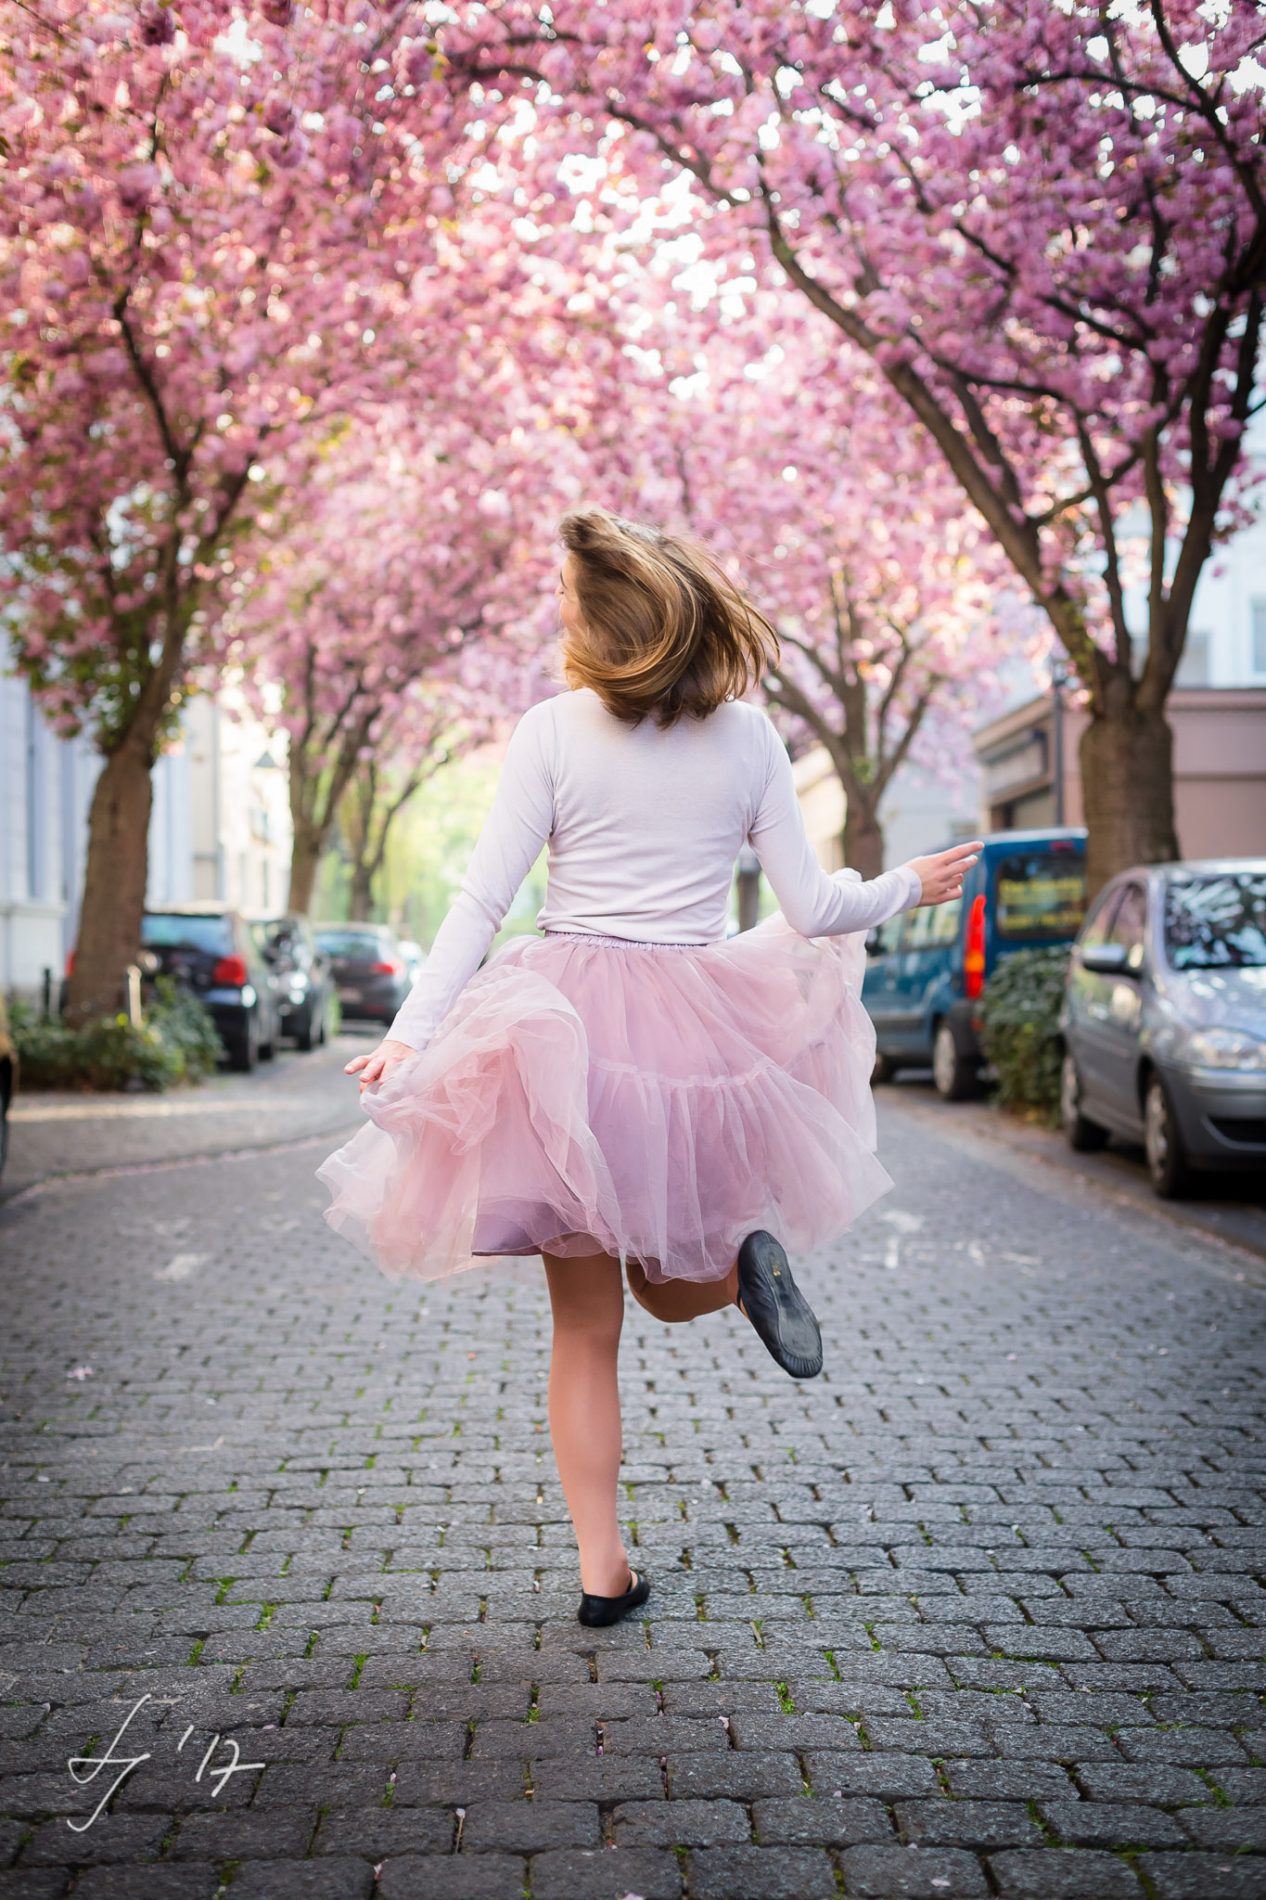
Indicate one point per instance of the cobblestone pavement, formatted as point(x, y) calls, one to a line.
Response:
point(63, 1131)
point(979, 1611)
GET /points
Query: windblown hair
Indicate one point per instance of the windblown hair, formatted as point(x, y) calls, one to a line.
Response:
point(665, 631)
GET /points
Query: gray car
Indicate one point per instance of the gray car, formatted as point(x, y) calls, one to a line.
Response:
point(1164, 1019)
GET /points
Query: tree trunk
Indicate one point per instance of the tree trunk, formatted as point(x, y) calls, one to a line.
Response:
point(748, 895)
point(1127, 782)
point(863, 837)
point(114, 884)
point(305, 859)
point(362, 898)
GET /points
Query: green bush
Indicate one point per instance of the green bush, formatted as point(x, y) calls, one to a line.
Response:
point(175, 1042)
point(1019, 1013)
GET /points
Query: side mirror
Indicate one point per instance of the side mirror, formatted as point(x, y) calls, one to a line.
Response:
point(1107, 959)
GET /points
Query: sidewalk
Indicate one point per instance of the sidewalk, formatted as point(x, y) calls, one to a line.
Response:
point(59, 1132)
point(1231, 1208)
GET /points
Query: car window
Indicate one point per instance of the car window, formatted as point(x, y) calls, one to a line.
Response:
point(1216, 922)
point(919, 926)
point(168, 930)
point(1129, 924)
point(945, 921)
point(1040, 893)
point(351, 943)
point(888, 935)
point(1099, 918)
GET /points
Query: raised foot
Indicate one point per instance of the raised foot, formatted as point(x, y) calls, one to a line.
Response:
point(776, 1308)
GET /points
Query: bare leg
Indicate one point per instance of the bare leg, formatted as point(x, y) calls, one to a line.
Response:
point(587, 1298)
point(676, 1300)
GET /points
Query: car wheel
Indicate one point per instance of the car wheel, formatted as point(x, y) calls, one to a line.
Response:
point(1167, 1163)
point(1083, 1135)
point(884, 1068)
point(244, 1048)
point(304, 1035)
point(953, 1074)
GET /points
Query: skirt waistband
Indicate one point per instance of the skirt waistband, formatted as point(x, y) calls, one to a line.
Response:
point(621, 943)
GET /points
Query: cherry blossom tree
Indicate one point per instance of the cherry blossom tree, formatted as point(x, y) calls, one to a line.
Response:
point(400, 606)
point(437, 725)
point(1044, 225)
point(893, 617)
point(893, 605)
point(225, 231)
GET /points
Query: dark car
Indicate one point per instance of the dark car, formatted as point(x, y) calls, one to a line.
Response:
point(209, 949)
point(301, 979)
point(368, 966)
point(927, 967)
point(1164, 1019)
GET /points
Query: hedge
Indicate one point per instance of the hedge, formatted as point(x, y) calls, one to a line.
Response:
point(1019, 1013)
point(176, 1042)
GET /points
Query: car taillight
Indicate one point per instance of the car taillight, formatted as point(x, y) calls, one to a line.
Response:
point(390, 968)
point(70, 963)
point(974, 948)
point(230, 970)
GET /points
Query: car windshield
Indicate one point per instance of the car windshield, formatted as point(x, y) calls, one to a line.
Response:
point(351, 943)
point(168, 930)
point(1041, 894)
point(1217, 921)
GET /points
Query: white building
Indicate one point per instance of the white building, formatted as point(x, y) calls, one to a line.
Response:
point(219, 825)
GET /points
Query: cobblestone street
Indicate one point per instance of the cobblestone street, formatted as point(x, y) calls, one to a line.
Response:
point(979, 1611)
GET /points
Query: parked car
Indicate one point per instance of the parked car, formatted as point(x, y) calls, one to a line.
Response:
point(1164, 1019)
point(413, 954)
point(368, 966)
point(9, 1068)
point(300, 975)
point(927, 967)
point(209, 949)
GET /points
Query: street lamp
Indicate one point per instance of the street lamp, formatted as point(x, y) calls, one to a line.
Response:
point(1059, 679)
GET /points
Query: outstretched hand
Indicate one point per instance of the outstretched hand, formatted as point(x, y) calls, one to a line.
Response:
point(941, 875)
point(376, 1064)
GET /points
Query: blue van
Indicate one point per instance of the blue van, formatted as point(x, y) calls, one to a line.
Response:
point(926, 968)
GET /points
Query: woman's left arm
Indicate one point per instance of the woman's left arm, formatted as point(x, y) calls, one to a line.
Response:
point(519, 824)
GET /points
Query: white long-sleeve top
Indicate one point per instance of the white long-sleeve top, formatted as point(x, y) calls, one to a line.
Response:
point(644, 825)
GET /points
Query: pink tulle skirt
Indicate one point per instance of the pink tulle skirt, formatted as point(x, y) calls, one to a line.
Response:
point(655, 1102)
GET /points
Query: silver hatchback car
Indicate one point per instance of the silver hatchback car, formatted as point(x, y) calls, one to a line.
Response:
point(1163, 1023)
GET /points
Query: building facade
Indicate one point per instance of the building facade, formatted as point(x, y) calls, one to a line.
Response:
point(1030, 777)
point(219, 825)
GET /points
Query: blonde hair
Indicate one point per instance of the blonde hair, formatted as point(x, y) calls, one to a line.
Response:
point(664, 630)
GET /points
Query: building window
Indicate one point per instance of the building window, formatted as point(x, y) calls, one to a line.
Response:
point(1193, 668)
point(1258, 609)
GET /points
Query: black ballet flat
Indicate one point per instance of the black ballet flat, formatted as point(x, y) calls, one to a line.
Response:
point(777, 1308)
point(596, 1610)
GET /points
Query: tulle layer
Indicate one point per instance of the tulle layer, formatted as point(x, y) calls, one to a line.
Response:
point(657, 1103)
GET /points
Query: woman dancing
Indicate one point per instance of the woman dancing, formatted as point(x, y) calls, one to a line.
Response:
point(631, 1092)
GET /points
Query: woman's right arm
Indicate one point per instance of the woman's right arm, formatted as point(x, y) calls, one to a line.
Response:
point(816, 903)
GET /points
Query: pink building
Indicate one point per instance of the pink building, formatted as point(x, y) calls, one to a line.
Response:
point(1030, 777)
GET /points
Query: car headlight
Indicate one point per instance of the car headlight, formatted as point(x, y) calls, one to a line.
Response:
point(1225, 1049)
